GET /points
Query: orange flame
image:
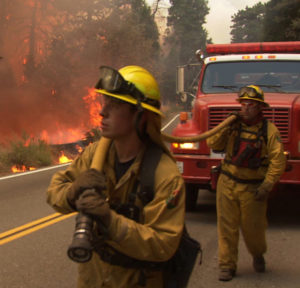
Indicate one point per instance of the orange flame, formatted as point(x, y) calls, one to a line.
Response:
point(64, 159)
point(79, 148)
point(59, 133)
point(23, 168)
point(44, 136)
point(27, 142)
point(63, 135)
point(94, 107)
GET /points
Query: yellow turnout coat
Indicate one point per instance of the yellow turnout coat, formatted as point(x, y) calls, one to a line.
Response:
point(155, 238)
point(237, 207)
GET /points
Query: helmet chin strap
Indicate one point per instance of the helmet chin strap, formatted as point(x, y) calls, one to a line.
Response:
point(140, 129)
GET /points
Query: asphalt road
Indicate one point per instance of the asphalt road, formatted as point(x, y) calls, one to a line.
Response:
point(36, 260)
point(35, 256)
point(282, 257)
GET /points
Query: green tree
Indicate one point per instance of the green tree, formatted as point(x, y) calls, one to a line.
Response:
point(282, 20)
point(248, 24)
point(185, 35)
point(185, 20)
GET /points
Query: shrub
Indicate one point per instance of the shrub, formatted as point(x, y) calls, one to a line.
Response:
point(29, 153)
point(4, 162)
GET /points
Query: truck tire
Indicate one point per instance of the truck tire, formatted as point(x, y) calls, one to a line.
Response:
point(191, 196)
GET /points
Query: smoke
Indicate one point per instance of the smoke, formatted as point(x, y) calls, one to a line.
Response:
point(41, 88)
point(51, 53)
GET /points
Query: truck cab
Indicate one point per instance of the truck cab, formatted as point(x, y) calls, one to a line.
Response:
point(225, 68)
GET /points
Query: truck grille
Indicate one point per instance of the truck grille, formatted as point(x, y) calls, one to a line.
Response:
point(279, 116)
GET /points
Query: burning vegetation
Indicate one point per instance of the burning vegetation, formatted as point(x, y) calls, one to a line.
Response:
point(28, 154)
point(50, 53)
point(61, 146)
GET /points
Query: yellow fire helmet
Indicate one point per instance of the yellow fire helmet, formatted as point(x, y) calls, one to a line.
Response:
point(132, 84)
point(252, 92)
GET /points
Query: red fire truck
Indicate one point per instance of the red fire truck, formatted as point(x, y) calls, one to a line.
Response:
point(275, 67)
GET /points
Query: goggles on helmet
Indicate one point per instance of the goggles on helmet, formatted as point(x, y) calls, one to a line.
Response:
point(250, 92)
point(112, 81)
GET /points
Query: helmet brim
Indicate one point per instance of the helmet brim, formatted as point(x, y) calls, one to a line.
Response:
point(131, 100)
point(251, 98)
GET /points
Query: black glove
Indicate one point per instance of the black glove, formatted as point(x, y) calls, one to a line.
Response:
point(89, 179)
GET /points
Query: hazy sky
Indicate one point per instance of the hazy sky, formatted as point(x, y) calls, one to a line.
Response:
point(218, 21)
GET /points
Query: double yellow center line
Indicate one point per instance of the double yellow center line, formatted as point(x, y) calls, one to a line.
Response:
point(28, 228)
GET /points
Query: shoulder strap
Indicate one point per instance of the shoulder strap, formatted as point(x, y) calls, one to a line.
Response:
point(147, 172)
point(237, 139)
point(265, 130)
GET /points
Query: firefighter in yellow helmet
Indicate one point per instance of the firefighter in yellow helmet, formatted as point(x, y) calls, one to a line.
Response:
point(132, 235)
point(253, 163)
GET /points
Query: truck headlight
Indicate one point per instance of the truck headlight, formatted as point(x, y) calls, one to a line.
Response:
point(188, 146)
point(287, 154)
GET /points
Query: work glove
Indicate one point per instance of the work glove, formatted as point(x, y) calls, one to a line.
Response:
point(263, 191)
point(93, 203)
point(89, 179)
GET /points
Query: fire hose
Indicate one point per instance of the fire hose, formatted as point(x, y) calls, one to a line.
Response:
point(99, 158)
point(104, 144)
point(81, 248)
point(200, 137)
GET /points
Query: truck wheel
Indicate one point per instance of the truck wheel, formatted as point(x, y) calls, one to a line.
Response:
point(191, 196)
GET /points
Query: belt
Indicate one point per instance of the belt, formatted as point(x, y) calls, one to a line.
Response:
point(114, 257)
point(243, 181)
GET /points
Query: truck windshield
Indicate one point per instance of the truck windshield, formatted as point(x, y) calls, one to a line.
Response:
point(271, 76)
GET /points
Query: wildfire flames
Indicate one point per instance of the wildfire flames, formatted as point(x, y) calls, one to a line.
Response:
point(61, 160)
point(23, 168)
point(70, 135)
point(94, 107)
point(36, 98)
point(79, 148)
point(64, 159)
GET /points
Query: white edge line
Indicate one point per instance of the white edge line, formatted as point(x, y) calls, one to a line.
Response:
point(62, 165)
point(33, 171)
